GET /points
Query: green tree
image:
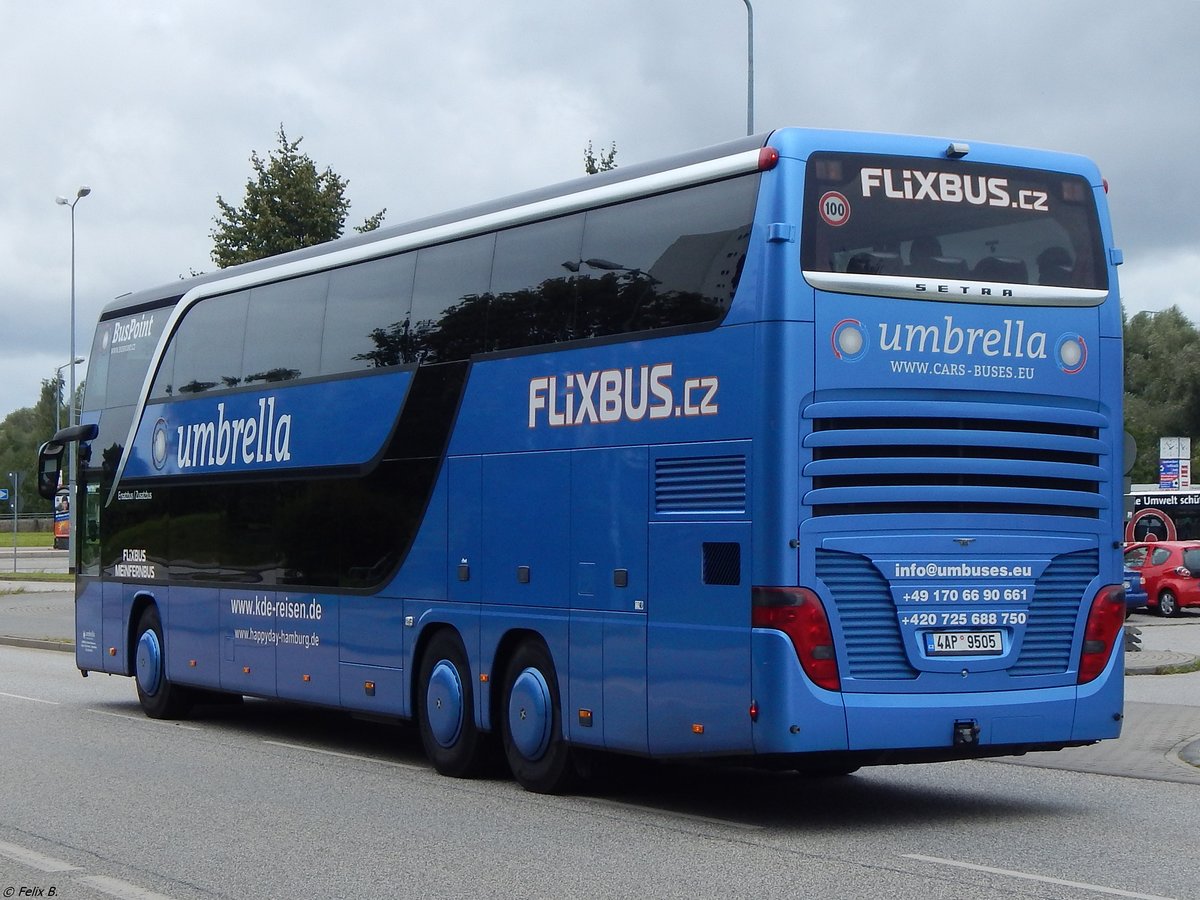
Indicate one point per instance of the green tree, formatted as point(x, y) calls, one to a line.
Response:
point(606, 160)
point(21, 433)
point(288, 205)
point(1162, 384)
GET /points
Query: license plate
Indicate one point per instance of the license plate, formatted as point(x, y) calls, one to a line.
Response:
point(963, 643)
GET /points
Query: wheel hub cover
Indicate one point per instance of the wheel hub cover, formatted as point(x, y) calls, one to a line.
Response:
point(530, 714)
point(149, 662)
point(444, 703)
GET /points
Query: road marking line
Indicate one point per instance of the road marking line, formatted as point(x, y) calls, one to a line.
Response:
point(35, 860)
point(354, 756)
point(144, 720)
point(1042, 878)
point(115, 887)
point(30, 699)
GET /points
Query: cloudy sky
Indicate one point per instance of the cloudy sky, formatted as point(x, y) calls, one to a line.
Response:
point(427, 106)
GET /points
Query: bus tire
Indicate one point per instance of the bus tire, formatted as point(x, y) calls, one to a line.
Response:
point(446, 708)
point(159, 696)
point(531, 723)
point(1168, 604)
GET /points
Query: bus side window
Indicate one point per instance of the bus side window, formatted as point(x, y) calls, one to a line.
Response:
point(283, 330)
point(533, 284)
point(367, 315)
point(664, 261)
point(450, 300)
point(202, 364)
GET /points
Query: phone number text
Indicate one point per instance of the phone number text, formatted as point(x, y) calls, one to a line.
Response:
point(967, 595)
point(962, 618)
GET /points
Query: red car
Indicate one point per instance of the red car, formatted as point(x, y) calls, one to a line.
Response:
point(1170, 573)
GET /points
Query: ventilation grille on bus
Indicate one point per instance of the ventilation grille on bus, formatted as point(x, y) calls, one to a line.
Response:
point(874, 645)
point(1050, 632)
point(710, 484)
point(881, 456)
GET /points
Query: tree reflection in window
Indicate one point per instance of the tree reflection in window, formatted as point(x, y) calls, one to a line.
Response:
point(274, 375)
point(576, 306)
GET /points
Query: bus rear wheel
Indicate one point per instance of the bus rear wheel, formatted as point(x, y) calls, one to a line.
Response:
point(446, 708)
point(531, 723)
point(159, 696)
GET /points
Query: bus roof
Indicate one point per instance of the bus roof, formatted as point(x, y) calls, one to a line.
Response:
point(790, 142)
point(172, 291)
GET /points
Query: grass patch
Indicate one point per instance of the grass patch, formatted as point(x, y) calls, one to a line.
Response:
point(1193, 666)
point(27, 539)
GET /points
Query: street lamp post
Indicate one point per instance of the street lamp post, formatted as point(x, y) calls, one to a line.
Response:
point(63, 201)
point(749, 67)
point(15, 478)
point(58, 388)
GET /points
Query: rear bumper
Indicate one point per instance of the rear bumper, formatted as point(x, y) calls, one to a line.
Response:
point(795, 716)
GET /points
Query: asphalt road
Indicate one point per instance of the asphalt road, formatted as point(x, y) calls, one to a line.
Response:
point(271, 800)
point(31, 559)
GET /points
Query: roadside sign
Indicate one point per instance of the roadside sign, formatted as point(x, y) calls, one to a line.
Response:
point(1168, 474)
point(3, 494)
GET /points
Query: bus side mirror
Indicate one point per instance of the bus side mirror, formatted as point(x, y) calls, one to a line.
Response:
point(50, 456)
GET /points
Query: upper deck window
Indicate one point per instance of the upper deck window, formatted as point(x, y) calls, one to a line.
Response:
point(951, 230)
point(664, 261)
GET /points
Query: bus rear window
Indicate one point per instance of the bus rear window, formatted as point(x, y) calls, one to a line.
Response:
point(911, 225)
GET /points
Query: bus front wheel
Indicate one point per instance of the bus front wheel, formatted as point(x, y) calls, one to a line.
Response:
point(531, 723)
point(446, 708)
point(160, 698)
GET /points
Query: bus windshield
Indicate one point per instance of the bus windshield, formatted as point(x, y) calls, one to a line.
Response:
point(927, 228)
point(121, 352)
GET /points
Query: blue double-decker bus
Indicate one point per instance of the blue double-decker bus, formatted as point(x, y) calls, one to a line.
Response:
point(802, 450)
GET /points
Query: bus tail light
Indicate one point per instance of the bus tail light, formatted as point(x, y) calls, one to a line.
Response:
point(799, 614)
point(767, 158)
point(1105, 623)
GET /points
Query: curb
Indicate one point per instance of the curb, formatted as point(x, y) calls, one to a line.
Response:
point(1157, 662)
point(35, 644)
point(1191, 754)
point(10, 586)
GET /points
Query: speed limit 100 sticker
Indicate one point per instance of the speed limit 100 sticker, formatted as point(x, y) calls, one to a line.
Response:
point(835, 208)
